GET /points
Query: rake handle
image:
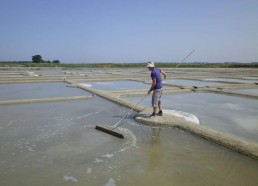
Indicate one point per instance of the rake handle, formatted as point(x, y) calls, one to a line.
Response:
point(116, 125)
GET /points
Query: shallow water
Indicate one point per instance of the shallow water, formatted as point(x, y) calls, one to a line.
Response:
point(117, 85)
point(232, 80)
point(247, 91)
point(228, 114)
point(38, 90)
point(56, 144)
point(10, 75)
point(192, 83)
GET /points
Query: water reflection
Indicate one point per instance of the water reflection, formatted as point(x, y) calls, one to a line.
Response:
point(156, 151)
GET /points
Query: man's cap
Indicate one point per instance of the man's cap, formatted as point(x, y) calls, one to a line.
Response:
point(150, 64)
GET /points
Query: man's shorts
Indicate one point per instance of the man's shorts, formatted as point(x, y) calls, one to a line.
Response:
point(156, 97)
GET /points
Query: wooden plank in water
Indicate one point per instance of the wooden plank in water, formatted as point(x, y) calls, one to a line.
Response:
point(111, 132)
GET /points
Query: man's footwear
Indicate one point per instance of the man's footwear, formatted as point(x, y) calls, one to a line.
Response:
point(160, 113)
point(153, 115)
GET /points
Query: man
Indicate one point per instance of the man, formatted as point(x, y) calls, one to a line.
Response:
point(156, 87)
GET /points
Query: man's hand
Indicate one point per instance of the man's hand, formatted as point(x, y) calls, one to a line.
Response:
point(165, 76)
point(149, 91)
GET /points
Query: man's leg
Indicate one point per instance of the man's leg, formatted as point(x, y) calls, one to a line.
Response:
point(156, 101)
point(155, 110)
point(160, 113)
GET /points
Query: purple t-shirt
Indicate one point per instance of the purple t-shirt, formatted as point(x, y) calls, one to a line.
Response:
point(155, 74)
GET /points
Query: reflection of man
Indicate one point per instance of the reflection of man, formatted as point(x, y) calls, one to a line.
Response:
point(156, 87)
point(156, 151)
point(155, 135)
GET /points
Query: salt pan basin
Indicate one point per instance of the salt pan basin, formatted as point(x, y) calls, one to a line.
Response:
point(183, 82)
point(228, 114)
point(56, 144)
point(247, 91)
point(232, 80)
point(38, 90)
point(117, 85)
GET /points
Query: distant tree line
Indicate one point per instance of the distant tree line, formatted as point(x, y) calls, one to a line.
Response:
point(38, 59)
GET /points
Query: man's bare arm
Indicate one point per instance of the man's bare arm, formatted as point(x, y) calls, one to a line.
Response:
point(152, 86)
point(164, 74)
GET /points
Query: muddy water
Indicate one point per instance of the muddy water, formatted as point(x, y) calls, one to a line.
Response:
point(56, 144)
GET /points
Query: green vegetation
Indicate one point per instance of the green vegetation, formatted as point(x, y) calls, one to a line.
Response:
point(56, 63)
point(38, 59)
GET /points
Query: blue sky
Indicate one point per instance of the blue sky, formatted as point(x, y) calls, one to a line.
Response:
point(129, 31)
